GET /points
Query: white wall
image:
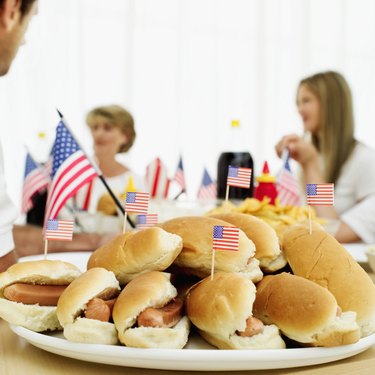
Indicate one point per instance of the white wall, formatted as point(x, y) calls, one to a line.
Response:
point(185, 69)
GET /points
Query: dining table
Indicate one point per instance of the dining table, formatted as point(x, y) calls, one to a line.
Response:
point(19, 357)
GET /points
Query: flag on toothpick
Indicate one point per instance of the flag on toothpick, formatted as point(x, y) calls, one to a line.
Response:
point(287, 187)
point(71, 169)
point(239, 177)
point(61, 230)
point(207, 190)
point(146, 221)
point(137, 202)
point(157, 179)
point(180, 176)
point(35, 180)
point(225, 238)
point(320, 194)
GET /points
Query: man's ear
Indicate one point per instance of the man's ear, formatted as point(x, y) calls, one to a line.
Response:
point(10, 13)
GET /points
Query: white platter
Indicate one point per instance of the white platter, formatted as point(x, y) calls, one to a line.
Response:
point(198, 356)
point(357, 251)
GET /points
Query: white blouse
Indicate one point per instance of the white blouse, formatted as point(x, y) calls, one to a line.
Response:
point(8, 214)
point(355, 192)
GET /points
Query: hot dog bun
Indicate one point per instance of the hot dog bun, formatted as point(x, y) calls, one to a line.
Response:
point(43, 272)
point(195, 257)
point(133, 253)
point(320, 258)
point(93, 283)
point(219, 308)
point(304, 311)
point(151, 289)
point(265, 239)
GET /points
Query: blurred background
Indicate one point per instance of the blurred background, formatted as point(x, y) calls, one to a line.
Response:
point(185, 69)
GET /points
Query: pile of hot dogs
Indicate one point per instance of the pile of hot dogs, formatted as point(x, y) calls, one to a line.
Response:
point(145, 288)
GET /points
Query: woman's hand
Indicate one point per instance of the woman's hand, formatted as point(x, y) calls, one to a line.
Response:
point(301, 151)
point(285, 142)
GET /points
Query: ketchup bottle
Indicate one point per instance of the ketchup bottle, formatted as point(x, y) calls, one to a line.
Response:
point(266, 185)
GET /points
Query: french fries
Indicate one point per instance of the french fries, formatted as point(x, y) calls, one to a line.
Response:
point(278, 216)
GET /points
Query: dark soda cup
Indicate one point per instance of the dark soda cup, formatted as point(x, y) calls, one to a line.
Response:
point(235, 159)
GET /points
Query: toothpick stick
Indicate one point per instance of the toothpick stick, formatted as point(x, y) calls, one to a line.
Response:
point(45, 249)
point(310, 224)
point(227, 193)
point(124, 225)
point(212, 263)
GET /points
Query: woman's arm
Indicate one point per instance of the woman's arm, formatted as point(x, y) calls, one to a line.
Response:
point(308, 157)
point(7, 260)
point(345, 234)
point(29, 240)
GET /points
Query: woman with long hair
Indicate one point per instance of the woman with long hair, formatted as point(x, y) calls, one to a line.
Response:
point(333, 155)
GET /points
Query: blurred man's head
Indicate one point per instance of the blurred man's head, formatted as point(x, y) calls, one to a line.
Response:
point(15, 16)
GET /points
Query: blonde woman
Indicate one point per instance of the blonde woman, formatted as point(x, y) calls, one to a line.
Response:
point(333, 155)
point(113, 132)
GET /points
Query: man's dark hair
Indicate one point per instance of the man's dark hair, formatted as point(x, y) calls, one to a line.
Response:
point(25, 6)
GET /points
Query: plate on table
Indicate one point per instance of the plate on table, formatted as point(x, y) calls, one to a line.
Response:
point(196, 356)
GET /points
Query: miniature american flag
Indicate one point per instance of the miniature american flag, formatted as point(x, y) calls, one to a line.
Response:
point(239, 177)
point(71, 170)
point(287, 187)
point(137, 202)
point(35, 180)
point(207, 189)
point(225, 238)
point(320, 194)
point(59, 230)
point(180, 176)
point(145, 221)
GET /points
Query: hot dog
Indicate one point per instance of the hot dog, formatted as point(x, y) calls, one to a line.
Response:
point(147, 313)
point(265, 239)
point(221, 309)
point(29, 292)
point(304, 311)
point(195, 257)
point(99, 309)
point(44, 295)
point(320, 258)
point(133, 253)
point(85, 308)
